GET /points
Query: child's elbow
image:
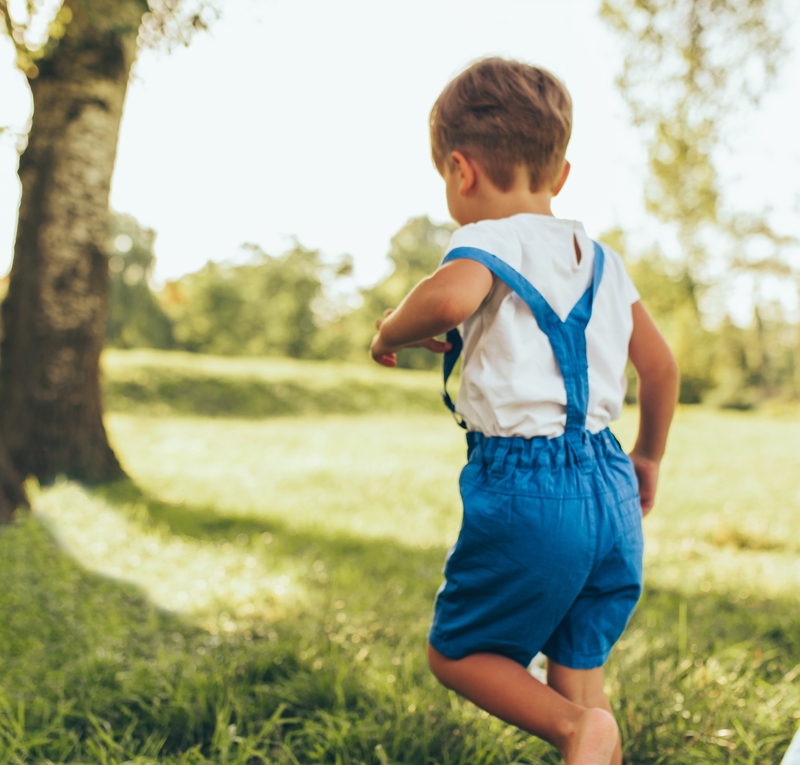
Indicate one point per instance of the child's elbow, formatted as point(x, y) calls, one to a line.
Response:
point(674, 370)
point(671, 369)
point(664, 373)
point(451, 311)
point(449, 315)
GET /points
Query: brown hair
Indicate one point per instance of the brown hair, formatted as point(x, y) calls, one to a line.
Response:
point(504, 114)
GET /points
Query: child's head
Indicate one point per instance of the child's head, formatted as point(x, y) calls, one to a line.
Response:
point(504, 114)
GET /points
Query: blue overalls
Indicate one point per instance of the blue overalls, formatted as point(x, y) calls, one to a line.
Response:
point(549, 557)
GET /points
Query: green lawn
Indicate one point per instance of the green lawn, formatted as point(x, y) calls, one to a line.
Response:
point(260, 591)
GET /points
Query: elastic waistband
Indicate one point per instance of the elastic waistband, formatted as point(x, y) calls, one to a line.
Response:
point(571, 448)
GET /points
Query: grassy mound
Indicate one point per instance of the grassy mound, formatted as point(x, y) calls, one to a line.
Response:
point(160, 382)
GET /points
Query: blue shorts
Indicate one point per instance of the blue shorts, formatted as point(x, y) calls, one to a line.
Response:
point(549, 557)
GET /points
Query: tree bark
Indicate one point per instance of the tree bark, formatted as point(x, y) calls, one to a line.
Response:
point(12, 495)
point(54, 313)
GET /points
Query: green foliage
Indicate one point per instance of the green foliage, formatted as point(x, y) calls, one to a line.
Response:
point(730, 366)
point(673, 303)
point(271, 306)
point(283, 306)
point(670, 295)
point(758, 362)
point(75, 23)
point(689, 65)
point(265, 307)
point(264, 594)
point(135, 318)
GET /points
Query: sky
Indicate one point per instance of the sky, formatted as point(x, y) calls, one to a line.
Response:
point(308, 119)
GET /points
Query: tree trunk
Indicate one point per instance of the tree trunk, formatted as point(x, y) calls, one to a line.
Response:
point(54, 314)
point(12, 495)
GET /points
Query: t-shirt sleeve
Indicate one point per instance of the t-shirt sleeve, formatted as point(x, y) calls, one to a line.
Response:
point(490, 236)
point(631, 293)
point(624, 281)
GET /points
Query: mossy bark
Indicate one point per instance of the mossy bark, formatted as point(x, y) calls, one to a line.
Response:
point(54, 314)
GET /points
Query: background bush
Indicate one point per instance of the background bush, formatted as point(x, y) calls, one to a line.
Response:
point(297, 305)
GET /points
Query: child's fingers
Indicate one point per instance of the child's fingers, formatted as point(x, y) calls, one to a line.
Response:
point(647, 478)
point(389, 360)
point(647, 489)
point(437, 346)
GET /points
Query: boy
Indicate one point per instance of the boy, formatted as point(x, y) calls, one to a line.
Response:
point(549, 557)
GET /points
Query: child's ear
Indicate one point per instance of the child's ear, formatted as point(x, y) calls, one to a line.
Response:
point(466, 172)
point(562, 179)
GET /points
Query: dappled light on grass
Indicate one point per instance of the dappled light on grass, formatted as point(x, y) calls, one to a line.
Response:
point(320, 541)
point(370, 477)
point(707, 680)
point(725, 518)
point(226, 585)
point(726, 515)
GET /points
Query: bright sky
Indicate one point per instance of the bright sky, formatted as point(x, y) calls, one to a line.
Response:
point(309, 119)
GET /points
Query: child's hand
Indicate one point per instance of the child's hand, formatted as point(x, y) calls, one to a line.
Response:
point(380, 352)
point(383, 354)
point(387, 356)
point(647, 474)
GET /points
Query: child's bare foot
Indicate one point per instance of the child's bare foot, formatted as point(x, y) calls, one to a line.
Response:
point(594, 739)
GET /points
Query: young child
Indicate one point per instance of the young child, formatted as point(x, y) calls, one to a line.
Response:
point(549, 557)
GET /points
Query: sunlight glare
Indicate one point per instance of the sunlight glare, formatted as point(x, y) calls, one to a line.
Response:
point(187, 576)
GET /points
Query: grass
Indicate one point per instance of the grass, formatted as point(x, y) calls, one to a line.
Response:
point(260, 592)
point(190, 384)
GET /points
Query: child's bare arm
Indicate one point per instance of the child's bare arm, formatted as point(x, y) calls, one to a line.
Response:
point(658, 393)
point(438, 303)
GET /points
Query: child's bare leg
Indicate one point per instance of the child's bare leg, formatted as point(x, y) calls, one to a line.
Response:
point(584, 736)
point(583, 687)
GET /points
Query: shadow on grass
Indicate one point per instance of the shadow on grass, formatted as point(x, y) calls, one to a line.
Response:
point(381, 562)
point(709, 618)
point(91, 671)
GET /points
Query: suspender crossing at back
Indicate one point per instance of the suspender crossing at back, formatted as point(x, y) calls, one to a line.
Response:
point(567, 338)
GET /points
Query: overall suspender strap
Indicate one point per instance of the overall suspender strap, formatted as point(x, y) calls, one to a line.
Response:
point(567, 338)
point(448, 362)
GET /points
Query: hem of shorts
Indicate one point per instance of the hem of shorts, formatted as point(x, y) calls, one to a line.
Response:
point(441, 645)
point(587, 495)
point(579, 660)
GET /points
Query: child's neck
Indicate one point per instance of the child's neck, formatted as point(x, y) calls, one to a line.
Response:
point(494, 204)
point(491, 203)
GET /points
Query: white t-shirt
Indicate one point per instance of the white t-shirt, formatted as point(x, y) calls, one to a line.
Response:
point(510, 382)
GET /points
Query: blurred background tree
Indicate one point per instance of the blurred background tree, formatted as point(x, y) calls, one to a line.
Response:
point(289, 305)
point(268, 306)
point(136, 318)
point(54, 314)
point(292, 305)
point(671, 295)
point(689, 67)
